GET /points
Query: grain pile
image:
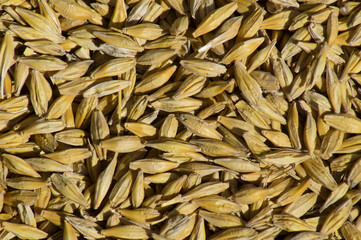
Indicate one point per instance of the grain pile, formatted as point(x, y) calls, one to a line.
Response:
point(180, 119)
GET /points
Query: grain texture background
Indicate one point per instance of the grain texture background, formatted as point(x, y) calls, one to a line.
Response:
point(180, 119)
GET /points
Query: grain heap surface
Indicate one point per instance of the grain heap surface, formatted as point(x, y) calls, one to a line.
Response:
point(180, 119)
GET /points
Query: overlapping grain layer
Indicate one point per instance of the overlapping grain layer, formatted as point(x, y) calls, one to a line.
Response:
point(180, 119)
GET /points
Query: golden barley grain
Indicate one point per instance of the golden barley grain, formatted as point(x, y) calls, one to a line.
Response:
point(176, 119)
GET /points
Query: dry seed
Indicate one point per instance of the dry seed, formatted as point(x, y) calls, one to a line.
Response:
point(214, 88)
point(14, 198)
point(216, 148)
point(353, 177)
point(279, 139)
point(106, 88)
point(251, 116)
point(214, 19)
point(336, 217)
point(251, 24)
point(46, 47)
point(331, 142)
point(90, 50)
point(238, 164)
point(260, 57)
point(68, 189)
point(180, 26)
point(249, 195)
point(141, 215)
point(205, 189)
point(27, 215)
point(310, 133)
point(174, 226)
point(198, 230)
point(242, 50)
point(172, 145)
point(166, 42)
point(300, 206)
point(153, 166)
point(335, 195)
point(26, 183)
point(44, 197)
point(319, 173)
point(74, 137)
point(123, 144)
point(24, 231)
point(18, 165)
point(203, 67)
point(284, 157)
point(343, 122)
point(59, 106)
point(235, 233)
point(7, 54)
point(85, 227)
point(169, 127)
point(47, 165)
point(147, 31)
point(350, 231)
point(69, 232)
point(40, 92)
point(156, 56)
point(44, 63)
point(239, 127)
point(43, 126)
point(293, 194)
point(76, 87)
point(155, 80)
point(309, 235)
point(201, 168)
point(46, 142)
point(126, 231)
point(141, 129)
point(192, 85)
point(199, 127)
point(121, 189)
point(291, 223)
point(221, 220)
point(103, 183)
point(70, 155)
point(113, 67)
point(40, 23)
point(118, 40)
point(217, 204)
